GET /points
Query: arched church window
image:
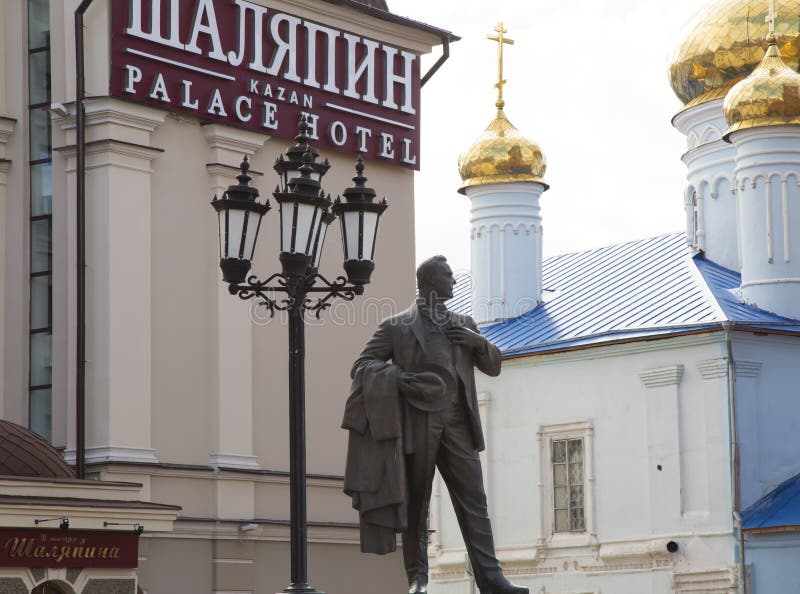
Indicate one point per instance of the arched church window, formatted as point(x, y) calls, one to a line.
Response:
point(695, 221)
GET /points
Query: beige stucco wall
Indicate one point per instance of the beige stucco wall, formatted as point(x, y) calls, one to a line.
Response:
point(179, 377)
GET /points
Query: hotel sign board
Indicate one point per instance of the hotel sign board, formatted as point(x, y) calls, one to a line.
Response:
point(68, 548)
point(249, 64)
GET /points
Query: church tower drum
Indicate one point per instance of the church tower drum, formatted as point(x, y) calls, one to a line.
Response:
point(502, 175)
point(763, 114)
point(722, 45)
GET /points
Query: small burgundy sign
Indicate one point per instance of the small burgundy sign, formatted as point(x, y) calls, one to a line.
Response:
point(68, 548)
point(253, 66)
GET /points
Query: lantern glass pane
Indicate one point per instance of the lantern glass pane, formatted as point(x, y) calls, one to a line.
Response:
point(235, 229)
point(307, 219)
point(351, 224)
point(221, 232)
point(370, 229)
point(253, 224)
point(287, 212)
point(323, 229)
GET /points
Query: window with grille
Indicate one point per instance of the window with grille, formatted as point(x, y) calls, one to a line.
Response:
point(568, 485)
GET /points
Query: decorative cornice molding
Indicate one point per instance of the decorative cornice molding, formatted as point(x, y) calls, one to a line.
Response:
point(710, 335)
point(113, 148)
point(662, 376)
point(718, 368)
point(686, 119)
point(233, 461)
point(115, 454)
point(105, 110)
point(713, 368)
point(7, 126)
point(565, 429)
point(219, 136)
point(716, 581)
point(228, 170)
point(747, 368)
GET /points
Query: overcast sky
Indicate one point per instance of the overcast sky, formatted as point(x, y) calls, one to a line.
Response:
point(586, 80)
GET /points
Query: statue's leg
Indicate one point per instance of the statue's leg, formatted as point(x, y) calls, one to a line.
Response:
point(460, 467)
point(420, 467)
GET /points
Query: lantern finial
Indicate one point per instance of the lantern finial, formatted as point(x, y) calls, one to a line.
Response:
point(243, 178)
point(302, 138)
point(359, 179)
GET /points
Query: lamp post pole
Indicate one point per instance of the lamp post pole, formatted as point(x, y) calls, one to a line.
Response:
point(305, 212)
point(297, 446)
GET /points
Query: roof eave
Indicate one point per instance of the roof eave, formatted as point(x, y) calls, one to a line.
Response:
point(772, 529)
point(645, 337)
point(384, 15)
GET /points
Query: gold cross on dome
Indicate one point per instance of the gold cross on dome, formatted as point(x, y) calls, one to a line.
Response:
point(501, 40)
point(771, 16)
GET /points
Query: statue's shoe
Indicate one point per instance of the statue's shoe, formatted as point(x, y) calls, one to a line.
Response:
point(418, 585)
point(503, 586)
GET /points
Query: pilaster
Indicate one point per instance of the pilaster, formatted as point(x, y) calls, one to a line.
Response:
point(752, 442)
point(7, 126)
point(232, 417)
point(119, 193)
point(663, 437)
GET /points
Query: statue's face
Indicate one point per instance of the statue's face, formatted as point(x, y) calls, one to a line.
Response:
point(442, 282)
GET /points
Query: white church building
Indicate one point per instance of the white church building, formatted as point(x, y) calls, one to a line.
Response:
point(643, 435)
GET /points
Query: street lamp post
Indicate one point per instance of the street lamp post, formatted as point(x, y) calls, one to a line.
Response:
point(305, 213)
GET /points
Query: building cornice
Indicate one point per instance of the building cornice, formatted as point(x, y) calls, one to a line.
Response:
point(265, 530)
point(219, 136)
point(107, 110)
point(7, 126)
point(686, 119)
point(621, 348)
point(718, 368)
point(134, 156)
point(662, 376)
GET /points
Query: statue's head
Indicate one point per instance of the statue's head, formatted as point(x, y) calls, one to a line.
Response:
point(435, 279)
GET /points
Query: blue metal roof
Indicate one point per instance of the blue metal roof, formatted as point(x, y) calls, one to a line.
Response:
point(645, 288)
point(778, 508)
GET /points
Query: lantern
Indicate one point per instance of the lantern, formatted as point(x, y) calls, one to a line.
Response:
point(302, 204)
point(359, 216)
point(239, 217)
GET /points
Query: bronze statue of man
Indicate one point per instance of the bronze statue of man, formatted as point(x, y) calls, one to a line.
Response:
point(413, 415)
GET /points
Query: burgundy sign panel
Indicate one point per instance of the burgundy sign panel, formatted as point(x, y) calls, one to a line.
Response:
point(249, 65)
point(68, 548)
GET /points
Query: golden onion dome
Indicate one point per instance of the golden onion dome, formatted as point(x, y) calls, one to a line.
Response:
point(770, 96)
point(501, 155)
point(726, 41)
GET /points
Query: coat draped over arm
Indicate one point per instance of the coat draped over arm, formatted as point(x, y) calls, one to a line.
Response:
point(374, 473)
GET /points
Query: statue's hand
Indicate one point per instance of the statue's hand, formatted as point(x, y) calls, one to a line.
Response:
point(467, 338)
point(405, 383)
